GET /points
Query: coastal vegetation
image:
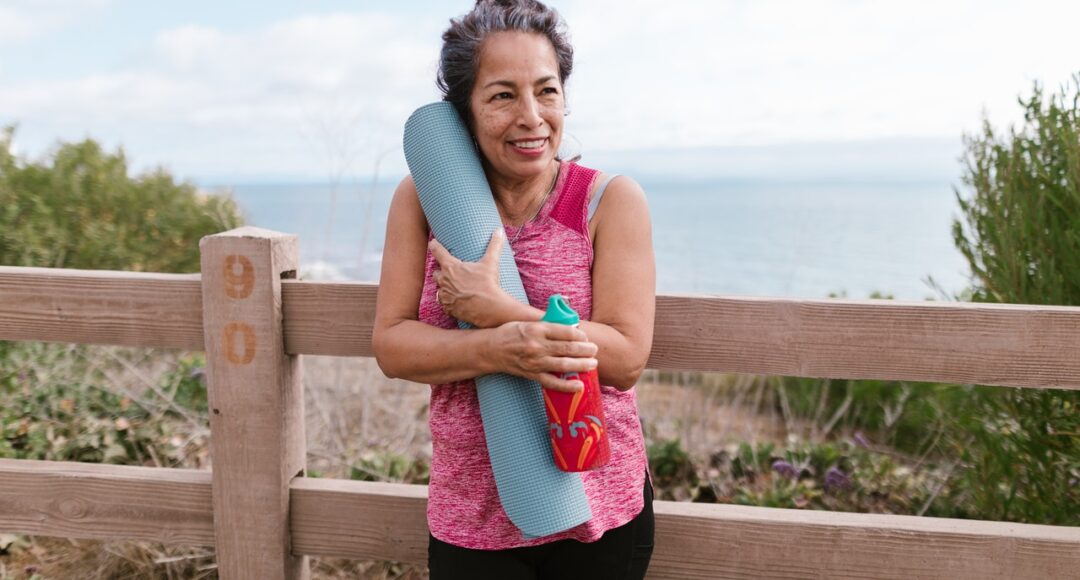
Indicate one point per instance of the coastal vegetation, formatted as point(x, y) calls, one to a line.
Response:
point(962, 451)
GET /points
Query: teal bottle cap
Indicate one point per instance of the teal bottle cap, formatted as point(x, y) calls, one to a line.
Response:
point(559, 311)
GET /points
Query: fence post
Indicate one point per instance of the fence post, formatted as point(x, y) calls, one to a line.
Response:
point(256, 402)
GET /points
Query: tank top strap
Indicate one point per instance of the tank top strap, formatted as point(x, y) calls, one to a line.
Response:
point(570, 208)
point(596, 196)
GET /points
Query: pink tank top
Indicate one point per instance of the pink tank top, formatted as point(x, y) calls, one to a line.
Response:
point(553, 254)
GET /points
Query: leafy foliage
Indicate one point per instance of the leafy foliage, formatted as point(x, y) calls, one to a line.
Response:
point(842, 475)
point(382, 465)
point(674, 475)
point(80, 209)
point(1021, 236)
point(55, 406)
point(1023, 215)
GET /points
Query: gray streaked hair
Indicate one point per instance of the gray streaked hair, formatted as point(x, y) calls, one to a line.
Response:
point(460, 55)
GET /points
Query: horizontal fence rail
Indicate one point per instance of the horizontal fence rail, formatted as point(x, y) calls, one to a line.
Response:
point(989, 344)
point(101, 307)
point(386, 521)
point(256, 318)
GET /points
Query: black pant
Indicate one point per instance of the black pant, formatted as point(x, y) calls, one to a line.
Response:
point(622, 553)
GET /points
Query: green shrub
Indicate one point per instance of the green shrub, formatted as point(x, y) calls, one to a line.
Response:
point(53, 406)
point(79, 208)
point(841, 475)
point(904, 415)
point(673, 473)
point(388, 466)
point(1021, 236)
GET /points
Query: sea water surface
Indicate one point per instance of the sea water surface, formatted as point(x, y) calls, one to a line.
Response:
point(748, 237)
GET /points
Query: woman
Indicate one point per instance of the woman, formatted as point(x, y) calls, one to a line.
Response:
point(504, 66)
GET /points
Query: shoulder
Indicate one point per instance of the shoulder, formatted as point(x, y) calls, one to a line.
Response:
point(620, 193)
point(622, 207)
point(405, 204)
point(406, 188)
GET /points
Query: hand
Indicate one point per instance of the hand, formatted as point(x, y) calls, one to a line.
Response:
point(470, 291)
point(541, 351)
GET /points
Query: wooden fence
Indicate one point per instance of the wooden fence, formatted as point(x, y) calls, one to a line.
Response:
point(253, 319)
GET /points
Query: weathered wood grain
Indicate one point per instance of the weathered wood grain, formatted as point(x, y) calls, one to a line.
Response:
point(329, 318)
point(256, 402)
point(84, 500)
point(728, 541)
point(386, 522)
point(360, 520)
point(101, 307)
point(990, 344)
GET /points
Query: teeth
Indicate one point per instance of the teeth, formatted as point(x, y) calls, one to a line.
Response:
point(530, 144)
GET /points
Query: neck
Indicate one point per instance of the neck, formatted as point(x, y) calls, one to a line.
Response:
point(519, 199)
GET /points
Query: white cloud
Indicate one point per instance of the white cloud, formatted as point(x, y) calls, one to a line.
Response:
point(15, 27)
point(258, 98)
point(22, 20)
point(303, 94)
point(698, 73)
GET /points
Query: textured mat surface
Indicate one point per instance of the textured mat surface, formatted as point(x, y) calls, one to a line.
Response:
point(457, 201)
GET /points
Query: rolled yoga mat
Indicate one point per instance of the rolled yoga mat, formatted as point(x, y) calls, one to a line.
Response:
point(457, 200)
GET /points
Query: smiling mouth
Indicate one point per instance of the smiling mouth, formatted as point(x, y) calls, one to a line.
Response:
point(530, 144)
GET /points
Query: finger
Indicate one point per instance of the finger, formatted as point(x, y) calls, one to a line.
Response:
point(553, 331)
point(555, 383)
point(442, 255)
point(572, 364)
point(494, 248)
point(576, 349)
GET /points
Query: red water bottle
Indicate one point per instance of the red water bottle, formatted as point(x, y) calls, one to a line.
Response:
point(579, 439)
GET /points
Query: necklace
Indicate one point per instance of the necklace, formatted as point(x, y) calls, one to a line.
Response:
point(543, 200)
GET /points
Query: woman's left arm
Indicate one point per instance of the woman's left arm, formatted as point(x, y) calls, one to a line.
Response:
point(623, 286)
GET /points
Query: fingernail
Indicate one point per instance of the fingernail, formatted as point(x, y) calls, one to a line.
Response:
point(499, 232)
point(593, 363)
point(578, 385)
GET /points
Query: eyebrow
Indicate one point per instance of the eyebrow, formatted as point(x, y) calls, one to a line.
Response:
point(540, 81)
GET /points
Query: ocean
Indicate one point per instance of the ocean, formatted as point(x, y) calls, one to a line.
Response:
point(744, 237)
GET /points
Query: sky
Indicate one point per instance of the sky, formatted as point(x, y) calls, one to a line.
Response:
point(277, 91)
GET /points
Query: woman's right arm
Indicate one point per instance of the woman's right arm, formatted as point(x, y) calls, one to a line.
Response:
point(413, 350)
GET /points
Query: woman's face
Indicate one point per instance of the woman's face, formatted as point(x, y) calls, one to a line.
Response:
point(517, 104)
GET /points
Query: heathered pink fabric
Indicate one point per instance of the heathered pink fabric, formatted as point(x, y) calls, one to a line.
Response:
point(554, 256)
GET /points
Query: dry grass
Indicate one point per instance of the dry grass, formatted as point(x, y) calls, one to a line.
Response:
point(708, 411)
point(353, 410)
point(353, 413)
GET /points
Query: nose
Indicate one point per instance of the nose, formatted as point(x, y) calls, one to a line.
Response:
point(529, 112)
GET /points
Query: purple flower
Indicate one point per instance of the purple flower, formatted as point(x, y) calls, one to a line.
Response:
point(785, 469)
point(835, 478)
point(861, 440)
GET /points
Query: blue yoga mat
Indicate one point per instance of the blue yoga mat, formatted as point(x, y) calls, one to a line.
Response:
point(457, 200)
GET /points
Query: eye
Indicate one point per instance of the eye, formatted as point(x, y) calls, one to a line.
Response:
point(549, 91)
point(501, 96)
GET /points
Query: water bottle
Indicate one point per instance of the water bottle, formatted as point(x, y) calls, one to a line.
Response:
point(579, 439)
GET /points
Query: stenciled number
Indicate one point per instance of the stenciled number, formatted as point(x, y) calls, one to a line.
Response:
point(239, 276)
point(246, 338)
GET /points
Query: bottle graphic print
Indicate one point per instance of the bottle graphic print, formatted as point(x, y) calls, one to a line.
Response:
point(579, 440)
